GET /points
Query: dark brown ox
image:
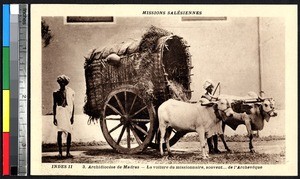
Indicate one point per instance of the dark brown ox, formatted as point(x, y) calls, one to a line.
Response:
point(251, 115)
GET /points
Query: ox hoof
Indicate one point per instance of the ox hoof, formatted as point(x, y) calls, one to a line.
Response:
point(252, 150)
point(165, 157)
point(170, 155)
point(230, 151)
point(205, 157)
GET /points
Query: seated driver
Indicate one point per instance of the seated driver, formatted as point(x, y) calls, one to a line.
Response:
point(208, 97)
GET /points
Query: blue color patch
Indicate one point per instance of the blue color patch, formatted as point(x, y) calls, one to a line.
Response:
point(5, 25)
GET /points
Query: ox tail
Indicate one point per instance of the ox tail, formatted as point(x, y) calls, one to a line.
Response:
point(163, 118)
point(160, 117)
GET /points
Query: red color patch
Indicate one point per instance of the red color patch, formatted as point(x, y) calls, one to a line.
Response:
point(6, 155)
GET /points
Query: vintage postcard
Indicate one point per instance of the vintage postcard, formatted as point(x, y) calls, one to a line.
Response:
point(163, 90)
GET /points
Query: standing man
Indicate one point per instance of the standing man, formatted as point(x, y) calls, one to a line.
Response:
point(63, 112)
point(206, 100)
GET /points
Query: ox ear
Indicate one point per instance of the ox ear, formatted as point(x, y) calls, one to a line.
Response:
point(229, 102)
point(267, 118)
point(257, 104)
point(255, 108)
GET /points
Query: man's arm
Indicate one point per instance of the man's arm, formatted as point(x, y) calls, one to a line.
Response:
point(73, 99)
point(212, 97)
point(54, 109)
point(72, 118)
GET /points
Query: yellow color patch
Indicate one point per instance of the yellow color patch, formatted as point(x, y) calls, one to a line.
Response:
point(6, 110)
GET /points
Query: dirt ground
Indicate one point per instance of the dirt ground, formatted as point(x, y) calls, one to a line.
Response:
point(267, 152)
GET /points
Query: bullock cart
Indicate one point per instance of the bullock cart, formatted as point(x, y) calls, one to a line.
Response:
point(126, 83)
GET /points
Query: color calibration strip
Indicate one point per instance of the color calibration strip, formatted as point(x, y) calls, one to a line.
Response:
point(6, 89)
point(14, 87)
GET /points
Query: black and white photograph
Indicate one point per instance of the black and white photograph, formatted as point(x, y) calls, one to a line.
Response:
point(149, 90)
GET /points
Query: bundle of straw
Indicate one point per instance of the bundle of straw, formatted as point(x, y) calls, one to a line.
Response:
point(150, 38)
point(177, 91)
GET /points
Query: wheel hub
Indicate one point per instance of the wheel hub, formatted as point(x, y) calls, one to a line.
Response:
point(126, 119)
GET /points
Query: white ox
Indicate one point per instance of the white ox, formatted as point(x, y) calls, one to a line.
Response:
point(188, 117)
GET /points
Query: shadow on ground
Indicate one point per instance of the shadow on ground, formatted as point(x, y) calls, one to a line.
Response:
point(102, 155)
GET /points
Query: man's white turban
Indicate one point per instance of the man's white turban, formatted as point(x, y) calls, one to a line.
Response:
point(63, 78)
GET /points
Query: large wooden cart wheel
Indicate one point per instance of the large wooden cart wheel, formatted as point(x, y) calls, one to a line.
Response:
point(127, 121)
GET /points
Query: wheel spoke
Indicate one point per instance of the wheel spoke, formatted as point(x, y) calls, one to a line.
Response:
point(128, 137)
point(140, 120)
point(114, 109)
point(140, 129)
point(125, 101)
point(116, 127)
point(120, 104)
point(133, 102)
point(138, 111)
point(121, 135)
point(135, 135)
point(112, 119)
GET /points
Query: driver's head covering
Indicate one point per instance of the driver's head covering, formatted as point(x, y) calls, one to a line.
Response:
point(208, 83)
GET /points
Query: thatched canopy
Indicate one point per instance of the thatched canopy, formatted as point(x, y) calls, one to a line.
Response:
point(149, 41)
point(121, 49)
point(144, 64)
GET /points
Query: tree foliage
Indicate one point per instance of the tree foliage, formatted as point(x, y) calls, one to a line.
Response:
point(46, 34)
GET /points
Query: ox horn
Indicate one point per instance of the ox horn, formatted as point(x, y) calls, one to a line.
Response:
point(260, 96)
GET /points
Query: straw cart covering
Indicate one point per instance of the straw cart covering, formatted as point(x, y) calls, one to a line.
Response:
point(141, 72)
point(142, 64)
